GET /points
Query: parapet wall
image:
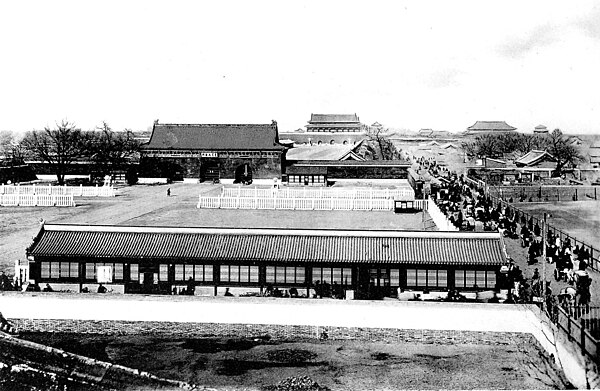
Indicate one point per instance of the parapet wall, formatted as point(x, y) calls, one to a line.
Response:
point(391, 321)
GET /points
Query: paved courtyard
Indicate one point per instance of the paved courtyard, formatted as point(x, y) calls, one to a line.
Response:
point(149, 205)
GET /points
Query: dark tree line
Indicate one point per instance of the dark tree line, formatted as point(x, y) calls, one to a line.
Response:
point(66, 143)
point(497, 146)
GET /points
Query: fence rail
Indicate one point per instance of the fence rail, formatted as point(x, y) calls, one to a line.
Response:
point(594, 260)
point(404, 194)
point(438, 217)
point(36, 200)
point(577, 328)
point(545, 193)
point(298, 203)
point(75, 191)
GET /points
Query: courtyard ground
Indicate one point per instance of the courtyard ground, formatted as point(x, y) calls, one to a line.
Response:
point(149, 205)
point(580, 219)
point(235, 364)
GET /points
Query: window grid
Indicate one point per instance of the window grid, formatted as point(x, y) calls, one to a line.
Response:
point(235, 273)
point(59, 269)
point(331, 275)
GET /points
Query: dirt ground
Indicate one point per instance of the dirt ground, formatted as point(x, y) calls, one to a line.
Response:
point(339, 365)
point(580, 219)
point(149, 205)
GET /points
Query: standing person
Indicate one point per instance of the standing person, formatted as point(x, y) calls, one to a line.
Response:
point(190, 287)
point(4, 282)
point(169, 192)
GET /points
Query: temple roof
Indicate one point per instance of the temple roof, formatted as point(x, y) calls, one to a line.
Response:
point(215, 137)
point(267, 245)
point(533, 157)
point(334, 118)
point(491, 126)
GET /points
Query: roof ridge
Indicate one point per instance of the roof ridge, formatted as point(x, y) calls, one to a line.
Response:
point(271, 231)
point(202, 125)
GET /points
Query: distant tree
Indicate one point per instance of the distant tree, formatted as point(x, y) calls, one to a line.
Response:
point(380, 146)
point(560, 146)
point(58, 147)
point(527, 142)
point(9, 148)
point(497, 145)
point(108, 148)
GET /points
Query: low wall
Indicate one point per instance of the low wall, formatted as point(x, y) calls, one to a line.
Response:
point(152, 181)
point(390, 321)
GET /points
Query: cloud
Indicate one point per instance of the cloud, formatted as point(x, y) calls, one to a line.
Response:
point(589, 23)
point(531, 42)
point(444, 78)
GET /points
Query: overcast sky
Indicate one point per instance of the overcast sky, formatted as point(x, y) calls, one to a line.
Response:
point(406, 64)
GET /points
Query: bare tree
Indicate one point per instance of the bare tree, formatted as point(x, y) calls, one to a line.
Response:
point(58, 147)
point(108, 148)
point(563, 150)
point(381, 146)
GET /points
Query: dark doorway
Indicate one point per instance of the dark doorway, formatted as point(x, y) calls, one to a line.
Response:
point(210, 172)
point(243, 174)
point(148, 283)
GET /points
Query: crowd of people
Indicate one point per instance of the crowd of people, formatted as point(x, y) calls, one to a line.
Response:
point(465, 205)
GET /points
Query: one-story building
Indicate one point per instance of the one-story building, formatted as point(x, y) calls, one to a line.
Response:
point(207, 260)
point(201, 152)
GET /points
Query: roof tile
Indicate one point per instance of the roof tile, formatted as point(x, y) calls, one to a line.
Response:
point(229, 245)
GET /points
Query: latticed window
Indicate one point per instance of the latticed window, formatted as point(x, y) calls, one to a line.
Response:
point(59, 269)
point(285, 275)
point(239, 274)
point(200, 273)
point(427, 278)
point(475, 279)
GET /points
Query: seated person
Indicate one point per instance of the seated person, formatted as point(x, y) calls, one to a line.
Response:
point(293, 292)
point(48, 288)
point(227, 293)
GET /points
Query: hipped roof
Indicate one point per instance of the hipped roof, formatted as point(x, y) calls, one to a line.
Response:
point(267, 245)
point(215, 137)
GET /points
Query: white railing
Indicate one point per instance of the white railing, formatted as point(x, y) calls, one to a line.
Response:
point(295, 203)
point(438, 217)
point(36, 200)
point(404, 194)
point(75, 191)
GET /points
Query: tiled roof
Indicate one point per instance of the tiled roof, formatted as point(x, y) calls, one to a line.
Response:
point(324, 138)
point(268, 245)
point(336, 118)
point(490, 126)
point(533, 157)
point(215, 137)
point(353, 163)
point(306, 170)
point(321, 152)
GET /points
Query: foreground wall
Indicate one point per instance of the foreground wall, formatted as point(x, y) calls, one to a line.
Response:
point(294, 318)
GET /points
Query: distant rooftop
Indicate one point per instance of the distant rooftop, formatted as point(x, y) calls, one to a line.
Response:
point(333, 118)
point(490, 126)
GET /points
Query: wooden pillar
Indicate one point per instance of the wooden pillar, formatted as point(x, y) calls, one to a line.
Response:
point(216, 276)
point(308, 279)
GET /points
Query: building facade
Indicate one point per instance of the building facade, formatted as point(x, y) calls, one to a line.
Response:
point(334, 123)
point(489, 127)
point(238, 152)
point(160, 260)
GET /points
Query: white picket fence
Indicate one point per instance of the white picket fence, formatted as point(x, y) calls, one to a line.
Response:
point(295, 203)
point(405, 194)
point(75, 191)
point(36, 200)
